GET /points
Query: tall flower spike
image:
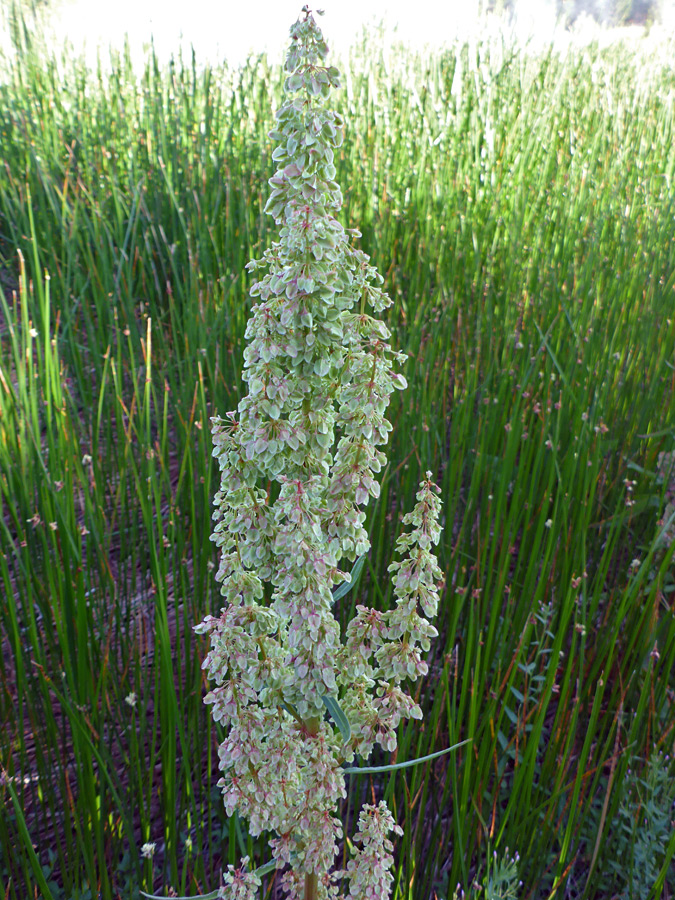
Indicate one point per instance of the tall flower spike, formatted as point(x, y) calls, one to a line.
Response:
point(298, 462)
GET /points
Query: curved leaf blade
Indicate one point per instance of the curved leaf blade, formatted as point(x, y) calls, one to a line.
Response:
point(337, 715)
point(268, 867)
point(261, 870)
point(346, 586)
point(357, 770)
point(210, 896)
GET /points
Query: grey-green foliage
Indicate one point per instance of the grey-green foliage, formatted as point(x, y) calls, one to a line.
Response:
point(501, 880)
point(641, 830)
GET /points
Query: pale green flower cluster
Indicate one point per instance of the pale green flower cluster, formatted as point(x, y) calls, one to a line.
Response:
point(369, 872)
point(238, 884)
point(385, 648)
point(298, 462)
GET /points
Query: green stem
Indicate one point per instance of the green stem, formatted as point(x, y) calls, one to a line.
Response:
point(311, 885)
point(312, 725)
point(311, 878)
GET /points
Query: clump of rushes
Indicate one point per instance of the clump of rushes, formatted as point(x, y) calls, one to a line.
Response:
point(298, 461)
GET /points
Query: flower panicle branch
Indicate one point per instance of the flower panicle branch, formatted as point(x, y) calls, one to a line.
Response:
point(298, 460)
point(240, 884)
point(369, 872)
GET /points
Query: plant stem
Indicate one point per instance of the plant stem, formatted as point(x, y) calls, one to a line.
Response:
point(311, 878)
point(312, 725)
point(311, 885)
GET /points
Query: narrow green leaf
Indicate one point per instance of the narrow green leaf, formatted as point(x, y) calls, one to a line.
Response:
point(240, 834)
point(346, 586)
point(267, 868)
point(27, 842)
point(357, 770)
point(337, 715)
point(210, 896)
point(261, 870)
point(511, 715)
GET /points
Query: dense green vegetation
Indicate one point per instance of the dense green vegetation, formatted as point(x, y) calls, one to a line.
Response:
point(522, 210)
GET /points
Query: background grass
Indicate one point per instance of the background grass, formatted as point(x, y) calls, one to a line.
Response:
point(521, 208)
